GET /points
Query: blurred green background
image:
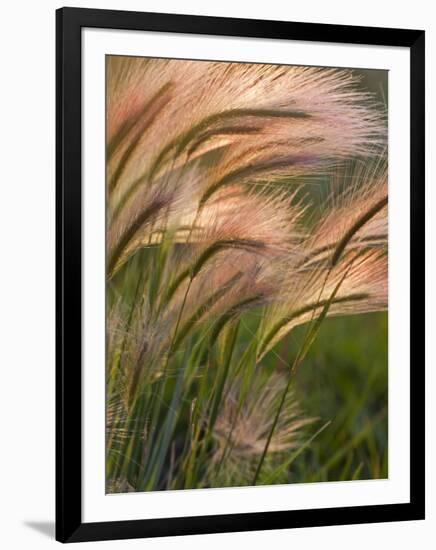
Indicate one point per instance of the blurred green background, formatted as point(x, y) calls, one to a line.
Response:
point(344, 381)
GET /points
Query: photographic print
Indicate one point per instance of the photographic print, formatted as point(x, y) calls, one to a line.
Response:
point(239, 288)
point(247, 274)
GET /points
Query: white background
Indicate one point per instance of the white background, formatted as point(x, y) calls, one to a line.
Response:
point(27, 274)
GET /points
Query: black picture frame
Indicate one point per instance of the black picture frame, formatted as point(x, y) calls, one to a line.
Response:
point(69, 525)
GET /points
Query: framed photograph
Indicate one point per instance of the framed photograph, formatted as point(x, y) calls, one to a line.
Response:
point(240, 275)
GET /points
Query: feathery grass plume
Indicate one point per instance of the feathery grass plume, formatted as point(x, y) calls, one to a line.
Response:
point(261, 121)
point(133, 228)
point(140, 349)
point(248, 429)
point(198, 101)
point(236, 229)
point(237, 234)
point(119, 485)
point(220, 289)
point(362, 290)
point(271, 218)
point(117, 336)
point(354, 214)
point(349, 236)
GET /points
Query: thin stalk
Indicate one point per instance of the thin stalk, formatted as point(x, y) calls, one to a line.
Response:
point(309, 339)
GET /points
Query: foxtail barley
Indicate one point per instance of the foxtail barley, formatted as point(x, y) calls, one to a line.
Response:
point(213, 233)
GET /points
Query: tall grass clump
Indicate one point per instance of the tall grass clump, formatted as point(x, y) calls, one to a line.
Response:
point(243, 201)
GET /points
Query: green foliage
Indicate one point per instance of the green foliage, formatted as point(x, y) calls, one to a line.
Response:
point(197, 416)
point(345, 380)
